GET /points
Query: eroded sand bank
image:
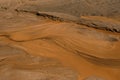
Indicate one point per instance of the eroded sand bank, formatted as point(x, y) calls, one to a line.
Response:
point(47, 45)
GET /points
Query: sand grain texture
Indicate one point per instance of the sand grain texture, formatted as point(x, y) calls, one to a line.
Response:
point(59, 40)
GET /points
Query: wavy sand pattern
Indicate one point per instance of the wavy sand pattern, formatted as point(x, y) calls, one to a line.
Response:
point(59, 40)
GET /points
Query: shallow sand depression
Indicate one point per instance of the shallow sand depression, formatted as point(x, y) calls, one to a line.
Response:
point(40, 40)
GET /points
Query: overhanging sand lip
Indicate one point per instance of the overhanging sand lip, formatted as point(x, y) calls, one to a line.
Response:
point(62, 33)
point(75, 7)
point(82, 40)
point(97, 22)
point(102, 23)
point(59, 15)
point(40, 32)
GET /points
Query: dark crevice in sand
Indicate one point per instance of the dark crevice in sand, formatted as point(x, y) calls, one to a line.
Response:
point(4, 8)
point(52, 17)
point(80, 21)
point(52, 28)
point(100, 25)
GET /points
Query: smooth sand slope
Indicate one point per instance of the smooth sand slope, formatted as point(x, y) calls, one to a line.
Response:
point(38, 41)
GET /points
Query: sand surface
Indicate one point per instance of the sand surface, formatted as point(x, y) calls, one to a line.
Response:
point(59, 40)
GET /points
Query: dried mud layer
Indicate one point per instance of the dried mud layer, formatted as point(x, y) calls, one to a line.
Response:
point(59, 39)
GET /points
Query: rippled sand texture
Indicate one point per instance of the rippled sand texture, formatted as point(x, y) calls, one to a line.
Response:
point(59, 40)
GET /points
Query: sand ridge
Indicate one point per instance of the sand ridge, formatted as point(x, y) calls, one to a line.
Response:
point(51, 42)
